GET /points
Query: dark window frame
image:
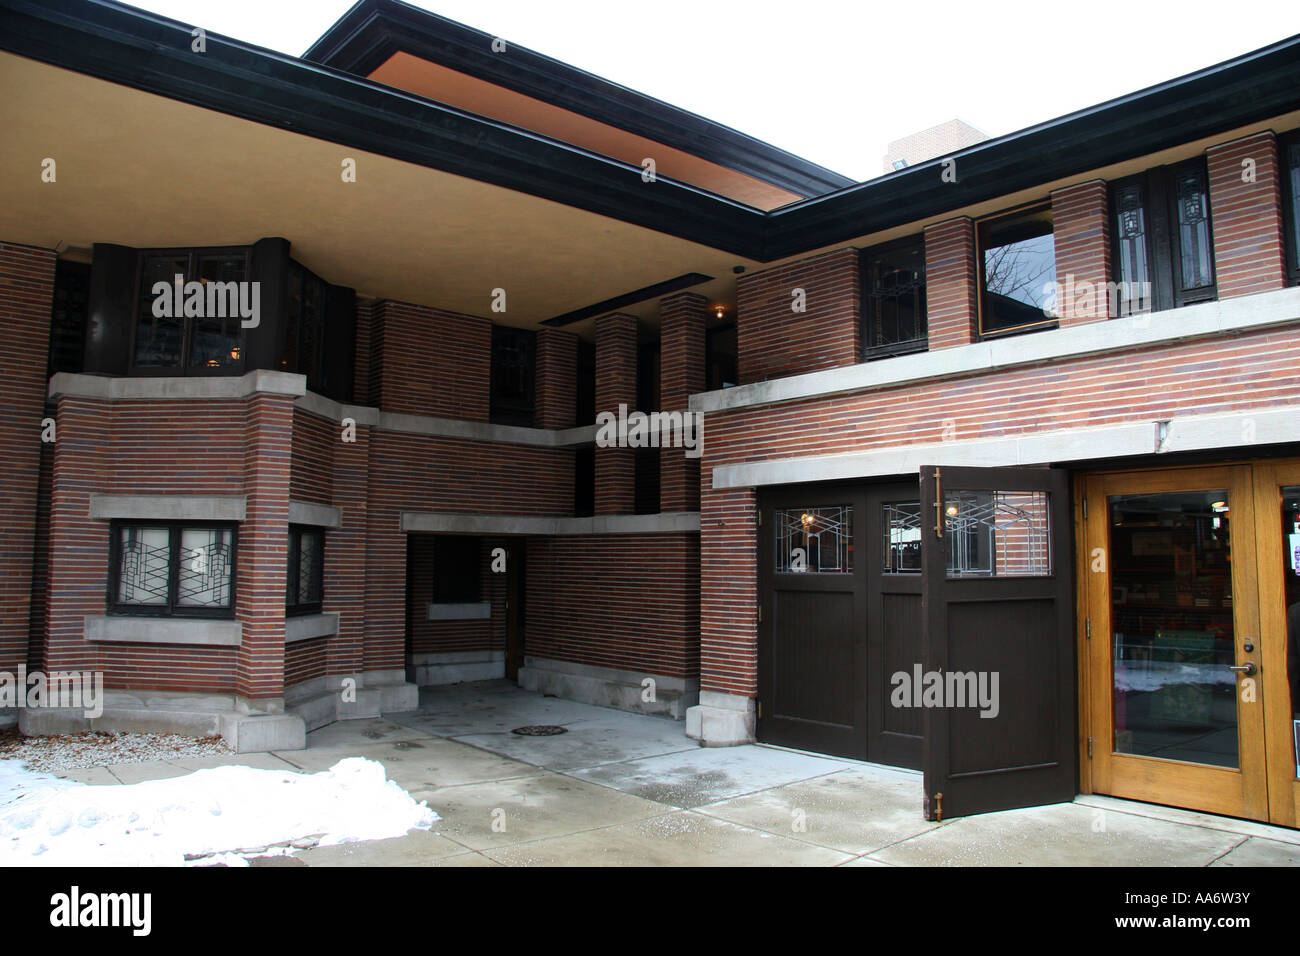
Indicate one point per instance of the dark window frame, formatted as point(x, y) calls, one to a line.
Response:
point(981, 279)
point(869, 349)
point(293, 603)
point(1289, 156)
point(512, 410)
point(172, 608)
point(313, 366)
point(1161, 234)
point(441, 590)
point(193, 255)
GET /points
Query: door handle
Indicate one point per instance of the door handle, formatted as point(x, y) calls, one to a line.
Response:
point(1247, 668)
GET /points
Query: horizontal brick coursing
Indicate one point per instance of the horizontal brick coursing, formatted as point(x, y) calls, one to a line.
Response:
point(624, 601)
point(1247, 216)
point(429, 361)
point(774, 340)
point(951, 283)
point(1081, 232)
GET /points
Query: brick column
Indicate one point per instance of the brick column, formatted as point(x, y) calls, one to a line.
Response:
point(26, 297)
point(681, 374)
point(263, 545)
point(951, 283)
point(1081, 231)
point(1246, 201)
point(345, 550)
point(557, 378)
point(615, 385)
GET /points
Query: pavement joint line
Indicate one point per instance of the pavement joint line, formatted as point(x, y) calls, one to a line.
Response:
point(1244, 841)
point(570, 833)
point(1154, 811)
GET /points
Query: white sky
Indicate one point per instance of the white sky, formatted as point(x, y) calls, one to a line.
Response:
point(834, 81)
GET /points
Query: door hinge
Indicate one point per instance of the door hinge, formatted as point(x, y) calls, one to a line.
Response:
point(938, 505)
point(1085, 508)
point(760, 614)
point(1089, 748)
point(758, 704)
point(760, 518)
point(1087, 628)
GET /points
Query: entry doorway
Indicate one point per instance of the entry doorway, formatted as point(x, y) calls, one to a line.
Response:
point(1190, 590)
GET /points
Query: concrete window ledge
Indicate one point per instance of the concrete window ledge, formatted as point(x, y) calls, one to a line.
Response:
point(476, 611)
point(307, 626)
point(169, 507)
point(164, 630)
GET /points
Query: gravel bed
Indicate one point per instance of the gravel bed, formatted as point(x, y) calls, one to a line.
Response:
point(97, 748)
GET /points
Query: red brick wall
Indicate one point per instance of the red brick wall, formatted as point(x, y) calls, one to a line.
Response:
point(305, 660)
point(314, 441)
point(557, 378)
point(681, 374)
point(1247, 216)
point(774, 340)
point(615, 385)
point(1081, 231)
point(361, 378)
point(430, 362)
point(951, 283)
point(136, 447)
point(26, 296)
point(438, 637)
point(1251, 370)
point(622, 601)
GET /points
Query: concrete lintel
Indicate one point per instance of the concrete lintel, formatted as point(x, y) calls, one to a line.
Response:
point(1236, 314)
point(304, 627)
point(471, 611)
point(671, 522)
point(437, 427)
point(164, 630)
point(310, 513)
point(1241, 429)
point(215, 387)
point(169, 507)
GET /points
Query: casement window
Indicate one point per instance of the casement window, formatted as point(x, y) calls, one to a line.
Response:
point(305, 326)
point(893, 298)
point(188, 344)
point(1162, 241)
point(1017, 261)
point(514, 373)
point(304, 587)
point(181, 569)
point(1290, 146)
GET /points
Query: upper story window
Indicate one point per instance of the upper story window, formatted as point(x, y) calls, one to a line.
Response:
point(172, 568)
point(1017, 260)
point(305, 325)
point(893, 298)
point(177, 330)
point(514, 373)
point(303, 585)
point(1162, 243)
point(1291, 203)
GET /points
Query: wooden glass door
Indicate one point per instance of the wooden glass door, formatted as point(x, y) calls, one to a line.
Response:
point(1173, 640)
point(1277, 520)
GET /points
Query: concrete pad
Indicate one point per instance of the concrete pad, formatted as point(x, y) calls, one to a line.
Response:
point(491, 707)
point(261, 761)
point(673, 839)
point(424, 764)
point(1063, 834)
point(500, 813)
point(356, 733)
point(417, 848)
point(866, 861)
point(1256, 851)
point(97, 776)
point(1246, 828)
point(703, 776)
point(591, 742)
point(146, 770)
point(856, 811)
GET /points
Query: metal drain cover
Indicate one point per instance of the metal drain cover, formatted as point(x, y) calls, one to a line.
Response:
point(539, 730)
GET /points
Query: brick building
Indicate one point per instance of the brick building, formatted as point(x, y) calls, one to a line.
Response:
point(1037, 420)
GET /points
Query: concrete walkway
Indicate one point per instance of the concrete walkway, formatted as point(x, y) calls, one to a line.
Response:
point(625, 789)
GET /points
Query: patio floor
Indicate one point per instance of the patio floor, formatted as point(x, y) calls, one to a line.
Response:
point(625, 789)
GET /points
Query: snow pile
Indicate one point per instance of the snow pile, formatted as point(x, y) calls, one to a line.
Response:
point(45, 821)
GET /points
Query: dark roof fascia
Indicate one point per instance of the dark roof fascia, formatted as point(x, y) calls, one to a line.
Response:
point(152, 53)
point(1227, 96)
point(373, 30)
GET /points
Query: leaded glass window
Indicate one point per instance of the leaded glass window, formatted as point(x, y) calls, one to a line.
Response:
point(997, 533)
point(181, 569)
point(818, 540)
